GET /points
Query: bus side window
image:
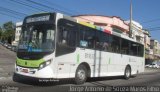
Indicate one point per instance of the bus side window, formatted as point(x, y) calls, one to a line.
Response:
point(67, 36)
point(124, 46)
point(66, 39)
point(83, 42)
point(106, 43)
point(62, 35)
point(133, 49)
point(115, 44)
point(99, 42)
point(87, 37)
point(141, 50)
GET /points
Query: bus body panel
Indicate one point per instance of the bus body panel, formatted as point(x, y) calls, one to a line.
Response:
point(66, 65)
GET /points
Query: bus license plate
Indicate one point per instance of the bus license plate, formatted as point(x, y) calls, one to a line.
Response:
point(24, 70)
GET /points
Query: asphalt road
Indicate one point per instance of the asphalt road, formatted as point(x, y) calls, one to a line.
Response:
point(147, 81)
point(7, 60)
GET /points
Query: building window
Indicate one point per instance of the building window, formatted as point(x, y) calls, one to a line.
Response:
point(117, 30)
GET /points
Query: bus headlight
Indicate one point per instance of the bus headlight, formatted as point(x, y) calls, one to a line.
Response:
point(44, 64)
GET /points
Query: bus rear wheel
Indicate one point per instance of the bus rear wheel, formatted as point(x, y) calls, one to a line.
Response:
point(127, 73)
point(81, 75)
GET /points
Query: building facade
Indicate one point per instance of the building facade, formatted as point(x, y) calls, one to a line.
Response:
point(147, 39)
point(149, 57)
point(137, 31)
point(17, 33)
point(109, 23)
point(155, 46)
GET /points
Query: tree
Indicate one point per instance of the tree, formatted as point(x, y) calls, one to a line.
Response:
point(1, 33)
point(9, 31)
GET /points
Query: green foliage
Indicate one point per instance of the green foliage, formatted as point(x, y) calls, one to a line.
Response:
point(8, 26)
point(0, 31)
point(8, 32)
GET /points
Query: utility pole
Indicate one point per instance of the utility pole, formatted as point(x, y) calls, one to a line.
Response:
point(130, 24)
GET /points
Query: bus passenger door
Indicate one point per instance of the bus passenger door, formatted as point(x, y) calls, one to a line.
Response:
point(65, 48)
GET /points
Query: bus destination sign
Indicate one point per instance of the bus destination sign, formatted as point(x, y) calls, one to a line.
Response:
point(37, 19)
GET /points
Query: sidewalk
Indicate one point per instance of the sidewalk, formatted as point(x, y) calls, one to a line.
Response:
point(151, 70)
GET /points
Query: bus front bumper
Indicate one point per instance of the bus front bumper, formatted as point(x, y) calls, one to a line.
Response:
point(46, 72)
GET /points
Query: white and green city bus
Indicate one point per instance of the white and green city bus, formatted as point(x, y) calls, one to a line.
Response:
point(53, 45)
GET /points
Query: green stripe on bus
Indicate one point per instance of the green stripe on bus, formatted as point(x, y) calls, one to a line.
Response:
point(29, 63)
point(77, 58)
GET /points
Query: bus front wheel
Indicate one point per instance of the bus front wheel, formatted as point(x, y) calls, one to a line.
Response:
point(127, 73)
point(81, 75)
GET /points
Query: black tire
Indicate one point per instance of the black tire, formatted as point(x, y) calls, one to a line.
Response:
point(81, 75)
point(127, 73)
point(15, 77)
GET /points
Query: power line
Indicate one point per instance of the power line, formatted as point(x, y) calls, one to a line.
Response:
point(53, 4)
point(9, 15)
point(150, 21)
point(67, 10)
point(23, 3)
point(54, 9)
point(155, 30)
point(12, 11)
point(43, 5)
point(47, 6)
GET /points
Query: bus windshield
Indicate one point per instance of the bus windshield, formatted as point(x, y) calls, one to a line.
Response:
point(37, 38)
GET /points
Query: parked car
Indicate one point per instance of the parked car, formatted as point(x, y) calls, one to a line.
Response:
point(5, 45)
point(1, 43)
point(9, 46)
point(14, 48)
point(150, 65)
point(147, 65)
point(155, 65)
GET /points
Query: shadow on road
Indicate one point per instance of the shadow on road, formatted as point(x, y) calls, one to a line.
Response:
point(40, 82)
point(53, 82)
point(95, 81)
